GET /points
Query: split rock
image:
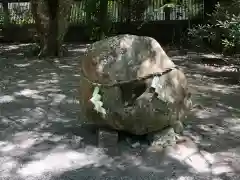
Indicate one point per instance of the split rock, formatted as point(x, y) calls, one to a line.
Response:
point(123, 68)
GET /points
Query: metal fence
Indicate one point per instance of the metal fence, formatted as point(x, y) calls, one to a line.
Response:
point(20, 13)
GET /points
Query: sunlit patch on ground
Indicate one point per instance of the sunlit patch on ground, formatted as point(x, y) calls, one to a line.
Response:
point(6, 99)
point(61, 159)
point(204, 162)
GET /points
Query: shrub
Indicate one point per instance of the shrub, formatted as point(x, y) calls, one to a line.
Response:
point(221, 32)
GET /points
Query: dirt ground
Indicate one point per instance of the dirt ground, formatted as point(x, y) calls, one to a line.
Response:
point(42, 136)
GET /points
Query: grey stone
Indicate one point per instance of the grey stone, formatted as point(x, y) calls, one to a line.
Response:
point(107, 138)
point(165, 138)
point(118, 66)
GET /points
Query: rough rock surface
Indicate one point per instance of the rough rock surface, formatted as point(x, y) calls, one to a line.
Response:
point(119, 66)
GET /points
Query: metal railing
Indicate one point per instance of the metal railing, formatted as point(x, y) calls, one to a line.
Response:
point(20, 13)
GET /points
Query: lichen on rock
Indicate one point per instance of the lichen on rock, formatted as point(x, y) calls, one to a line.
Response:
point(123, 67)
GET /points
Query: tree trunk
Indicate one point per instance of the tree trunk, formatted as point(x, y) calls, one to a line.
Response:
point(51, 20)
point(52, 46)
point(167, 11)
point(6, 20)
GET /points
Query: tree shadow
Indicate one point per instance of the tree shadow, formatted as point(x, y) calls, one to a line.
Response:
point(42, 134)
point(29, 50)
point(216, 122)
point(222, 69)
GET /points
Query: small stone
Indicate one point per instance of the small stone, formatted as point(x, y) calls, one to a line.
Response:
point(164, 138)
point(107, 138)
point(178, 127)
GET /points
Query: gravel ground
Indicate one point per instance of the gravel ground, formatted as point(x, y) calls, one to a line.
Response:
point(42, 137)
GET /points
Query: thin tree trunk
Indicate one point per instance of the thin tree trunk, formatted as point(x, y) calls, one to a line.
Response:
point(52, 45)
point(52, 20)
point(41, 18)
point(6, 20)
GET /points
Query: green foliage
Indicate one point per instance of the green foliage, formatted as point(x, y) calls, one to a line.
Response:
point(231, 33)
point(20, 14)
point(94, 18)
point(201, 35)
point(137, 9)
point(222, 32)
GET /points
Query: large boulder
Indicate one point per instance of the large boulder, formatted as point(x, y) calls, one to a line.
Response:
point(141, 89)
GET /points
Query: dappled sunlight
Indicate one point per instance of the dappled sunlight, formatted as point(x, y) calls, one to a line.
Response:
point(235, 128)
point(62, 159)
point(49, 81)
point(218, 88)
point(57, 98)
point(6, 99)
point(22, 65)
point(49, 89)
point(42, 159)
point(6, 146)
point(77, 48)
point(209, 113)
point(22, 83)
point(215, 126)
point(205, 162)
point(14, 46)
point(228, 107)
point(41, 130)
point(8, 164)
point(190, 156)
point(234, 124)
point(212, 128)
point(230, 68)
point(27, 93)
point(58, 159)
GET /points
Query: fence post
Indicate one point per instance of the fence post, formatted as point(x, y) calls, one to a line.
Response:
point(6, 18)
point(167, 11)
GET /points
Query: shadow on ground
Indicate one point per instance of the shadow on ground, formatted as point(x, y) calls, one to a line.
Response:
point(42, 136)
point(217, 120)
